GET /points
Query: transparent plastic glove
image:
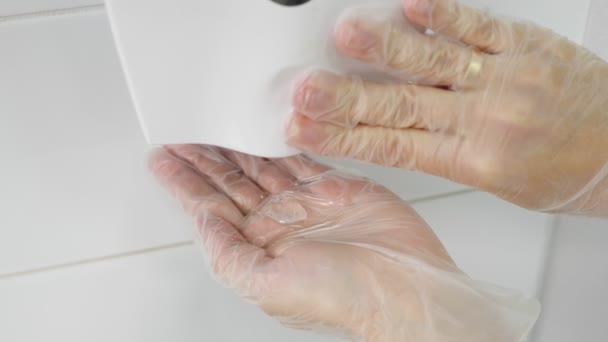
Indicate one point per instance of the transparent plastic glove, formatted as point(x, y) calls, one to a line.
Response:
point(508, 107)
point(325, 251)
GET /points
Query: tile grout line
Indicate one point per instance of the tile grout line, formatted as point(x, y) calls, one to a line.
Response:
point(51, 13)
point(173, 246)
point(545, 273)
point(442, 196)
point(83, 262)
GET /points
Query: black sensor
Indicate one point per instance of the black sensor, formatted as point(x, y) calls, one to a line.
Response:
point(290, 2)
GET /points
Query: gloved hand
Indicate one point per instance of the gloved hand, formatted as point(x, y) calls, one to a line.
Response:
point(325, 251)
point(508, 107)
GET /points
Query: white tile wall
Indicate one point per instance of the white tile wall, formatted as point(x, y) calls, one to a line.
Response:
point(575, 298)
point(16, 7)
point(596, 37)
point(74, 179)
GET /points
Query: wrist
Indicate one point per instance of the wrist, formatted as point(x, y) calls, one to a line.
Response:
point(444, 305)
point(592, 200)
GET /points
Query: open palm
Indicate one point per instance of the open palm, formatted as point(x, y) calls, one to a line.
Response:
point(319, 249)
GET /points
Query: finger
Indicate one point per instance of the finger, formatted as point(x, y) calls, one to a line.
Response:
point(407, 53)
point(190, 188)
point(302, 167)
point(232, 259)
point(407, 148)
point(268, 175)
point(348, 102)
point(224, 174)
point(469, 25)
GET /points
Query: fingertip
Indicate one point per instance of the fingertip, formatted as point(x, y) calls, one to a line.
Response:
point(156, 157)
point(304, 133)
point(315, 95)
point(291, 127)
point(292, 132)
point(342, 32)
point(162, 164)
point(298, 99)
point(355, 37)
point(419, 11)
point(306, 92)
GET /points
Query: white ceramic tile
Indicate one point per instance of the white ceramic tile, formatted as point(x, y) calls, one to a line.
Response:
point(490, 239)
point(159, 297)
point(74, 178)
point(74, 182)
point(13, 7)
point(574, 294)
point(596, 37)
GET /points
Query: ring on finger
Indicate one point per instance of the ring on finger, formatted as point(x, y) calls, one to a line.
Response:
point(473, 71)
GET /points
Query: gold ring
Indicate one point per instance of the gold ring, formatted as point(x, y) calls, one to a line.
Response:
point(473, 71)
